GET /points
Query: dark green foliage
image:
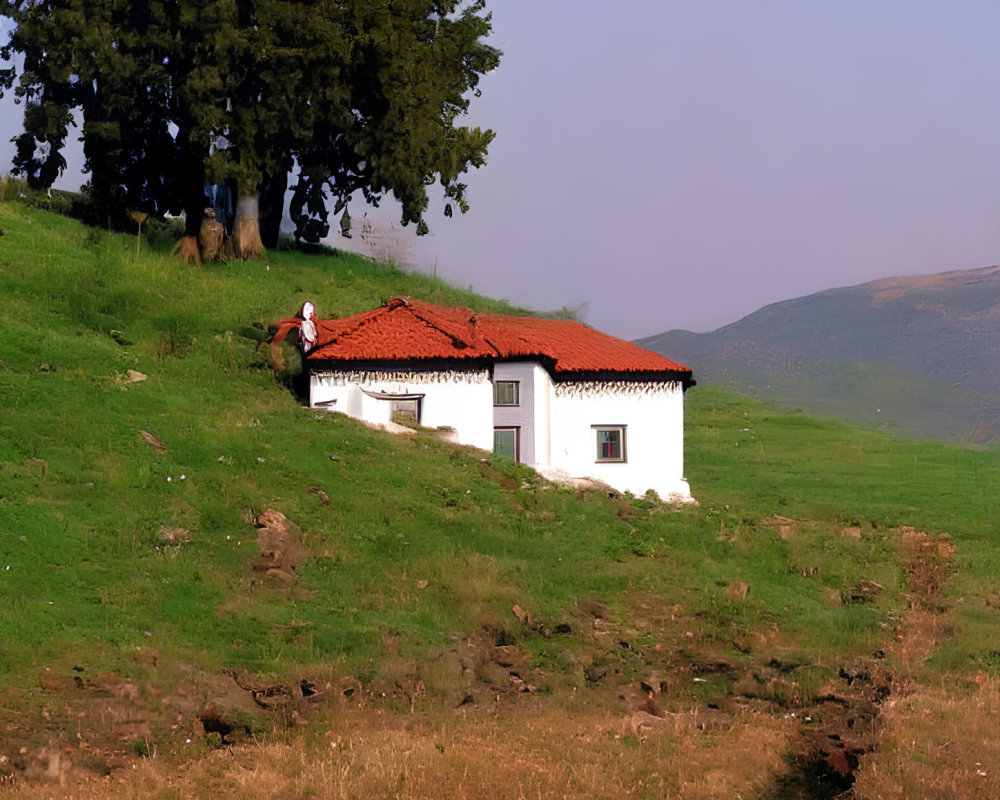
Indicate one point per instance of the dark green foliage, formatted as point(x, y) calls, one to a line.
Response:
point(408, 76)
point(173, 95)
point(39, 148)
point(115, 70)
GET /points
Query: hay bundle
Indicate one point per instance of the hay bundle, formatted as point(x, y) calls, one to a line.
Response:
point(212, 239)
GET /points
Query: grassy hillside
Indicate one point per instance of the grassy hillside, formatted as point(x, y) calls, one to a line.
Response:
point(465, 624)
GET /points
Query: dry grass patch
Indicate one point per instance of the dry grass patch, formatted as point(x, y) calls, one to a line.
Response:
point(934, 741)
point(475, 581)
point(938, 742)
point(929, 562)
point(514, 753)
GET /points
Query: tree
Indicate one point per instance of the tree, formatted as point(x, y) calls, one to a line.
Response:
point(38, 154)
point(412, 68)
point(107, 60)
point(361, 96)
point(279, 63)
point(54, 81)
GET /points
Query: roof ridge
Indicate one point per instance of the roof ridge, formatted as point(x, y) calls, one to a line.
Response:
point(436, 317)
point(493, 347)
point(366, 319)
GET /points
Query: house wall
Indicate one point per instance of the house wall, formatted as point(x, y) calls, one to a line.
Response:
point(462, 400)
point(530, 414)
point(653, 414)
point(543, 416)
point(557, 436)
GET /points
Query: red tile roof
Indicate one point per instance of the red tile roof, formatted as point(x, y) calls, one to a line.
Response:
point(405, 329)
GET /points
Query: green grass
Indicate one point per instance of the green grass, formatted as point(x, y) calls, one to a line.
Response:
point(420, 542)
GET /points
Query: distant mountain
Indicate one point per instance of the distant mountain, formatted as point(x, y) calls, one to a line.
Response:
point(919, 355)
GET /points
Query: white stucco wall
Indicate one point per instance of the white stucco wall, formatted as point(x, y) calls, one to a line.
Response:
point(543, 415)
point(565, 442)
point(460, 400)
point(653, 416)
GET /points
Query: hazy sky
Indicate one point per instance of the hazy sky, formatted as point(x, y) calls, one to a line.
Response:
point(680, 164)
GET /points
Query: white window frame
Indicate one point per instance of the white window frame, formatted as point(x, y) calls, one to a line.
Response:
point(621, 431)
point(517, 393)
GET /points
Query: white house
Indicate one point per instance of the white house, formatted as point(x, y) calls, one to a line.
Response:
point(556, 395)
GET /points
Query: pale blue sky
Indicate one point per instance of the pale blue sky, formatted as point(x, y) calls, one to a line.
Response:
point(680, 164)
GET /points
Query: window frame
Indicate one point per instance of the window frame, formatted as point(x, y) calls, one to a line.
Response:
point(517, 394)
point(619, 429)
point(396, 397)
point(395, 409)
point(514, 429)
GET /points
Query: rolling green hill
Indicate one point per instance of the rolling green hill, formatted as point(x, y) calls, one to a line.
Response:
point(916, 355)
point(451, 622)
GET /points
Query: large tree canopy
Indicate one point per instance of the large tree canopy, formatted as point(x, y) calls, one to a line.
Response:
point(359, 97)
point(108, 61)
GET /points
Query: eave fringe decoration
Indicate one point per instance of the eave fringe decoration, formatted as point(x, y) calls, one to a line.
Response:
point(585, 389)
point(365, 377)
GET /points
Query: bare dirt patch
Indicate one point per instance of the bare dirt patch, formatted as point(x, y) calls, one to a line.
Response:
point(662, 702)
point(280, 543)
point(855, 711)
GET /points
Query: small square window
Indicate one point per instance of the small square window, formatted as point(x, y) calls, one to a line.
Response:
point(610, 442)
point(506, 393)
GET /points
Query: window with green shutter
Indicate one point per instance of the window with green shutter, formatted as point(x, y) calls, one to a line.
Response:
point(506, 393)
point(505, 442)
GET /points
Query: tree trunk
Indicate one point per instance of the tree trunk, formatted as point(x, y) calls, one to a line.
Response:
point(187, 247)
point(272, 207)
point(194, 212)
point(191, 187)
point(246, 231)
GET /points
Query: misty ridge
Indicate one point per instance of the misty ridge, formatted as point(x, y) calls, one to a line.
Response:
point(916, 355)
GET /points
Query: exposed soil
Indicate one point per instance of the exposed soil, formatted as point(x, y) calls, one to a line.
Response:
point(843, 724)
point(75, 728)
